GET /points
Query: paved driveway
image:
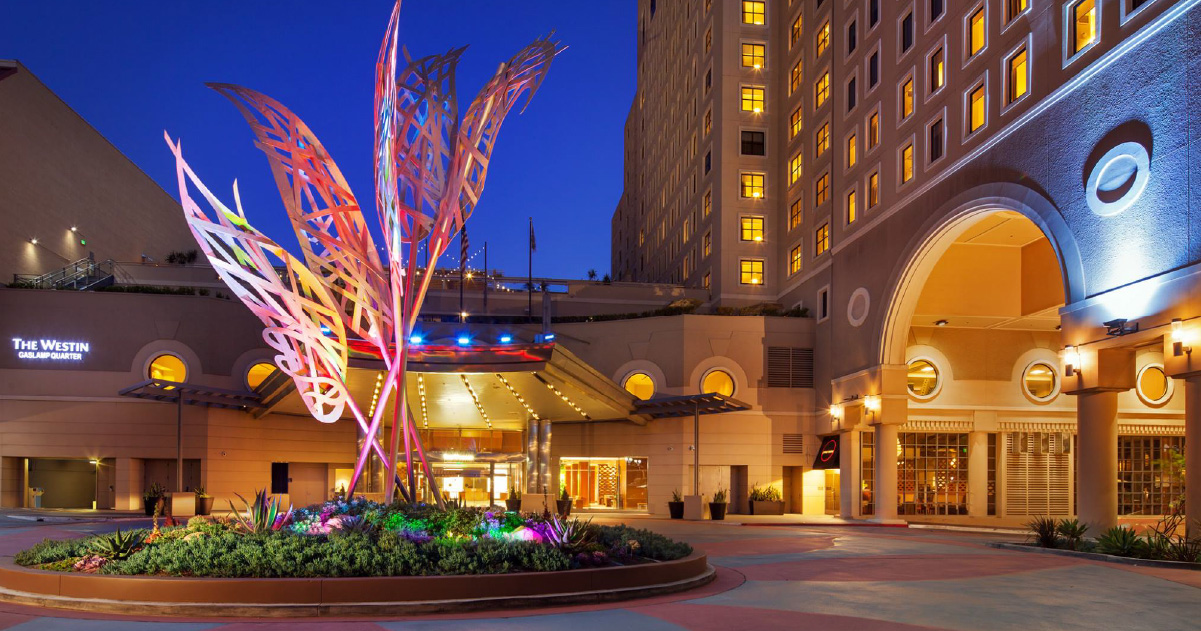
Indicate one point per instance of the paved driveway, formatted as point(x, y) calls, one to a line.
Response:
point(794, 577)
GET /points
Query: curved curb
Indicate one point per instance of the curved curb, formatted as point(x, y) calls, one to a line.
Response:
point(277, 598)
point(1097, 556)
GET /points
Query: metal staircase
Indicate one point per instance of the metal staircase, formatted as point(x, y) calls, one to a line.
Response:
point(81, 275)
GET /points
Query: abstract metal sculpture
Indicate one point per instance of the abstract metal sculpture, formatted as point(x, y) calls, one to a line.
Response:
point(429, 173)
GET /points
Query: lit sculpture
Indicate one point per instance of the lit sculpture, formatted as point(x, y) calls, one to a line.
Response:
point(429, 172)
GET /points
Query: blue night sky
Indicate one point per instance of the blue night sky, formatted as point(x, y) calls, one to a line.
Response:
point(133, 69)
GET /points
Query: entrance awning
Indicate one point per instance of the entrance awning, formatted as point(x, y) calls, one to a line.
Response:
point(191, 394)
point(688, 405)
point(828, 453)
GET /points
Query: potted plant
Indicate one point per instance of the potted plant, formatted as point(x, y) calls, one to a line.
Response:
point(766, 501)
point(513, 502)
point(563, 504)
point(675, 507)
point(152, 496)
point(717, 508)
point(204, 502)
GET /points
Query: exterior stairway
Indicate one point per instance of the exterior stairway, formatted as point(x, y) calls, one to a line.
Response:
point(81, 275)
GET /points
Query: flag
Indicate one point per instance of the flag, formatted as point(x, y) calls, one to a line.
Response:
point(533, 243)
point(463, 248)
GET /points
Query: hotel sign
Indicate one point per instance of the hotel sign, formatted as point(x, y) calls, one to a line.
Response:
point(52, 349)
point(827, 454)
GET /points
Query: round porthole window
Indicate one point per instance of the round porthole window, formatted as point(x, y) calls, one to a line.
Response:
point(922, 378)
point(258, 373)
point(1154, 385)
point(167, 368)
point(640, 385)
point(718, 381)
point(1040, 382)
point(1118, 179)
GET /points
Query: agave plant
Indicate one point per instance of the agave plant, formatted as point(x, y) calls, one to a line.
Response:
point(1045, 531)
point(563, 533)
point(1072, 532)
point(1120, 541)
point(118, 545)
point(262, 515)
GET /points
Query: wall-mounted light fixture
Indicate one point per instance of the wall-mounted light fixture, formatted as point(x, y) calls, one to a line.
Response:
point(1119, 327)
point(1178, 339)
point(871, 405)
point(940, 323)
point(836, 412)
point(1071, 361)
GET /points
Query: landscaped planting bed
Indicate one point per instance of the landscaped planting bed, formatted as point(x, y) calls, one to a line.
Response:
point(357, 538)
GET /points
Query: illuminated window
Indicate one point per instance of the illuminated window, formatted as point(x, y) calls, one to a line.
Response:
point(975, 32)
point(794, 214)
point(976, 109)
point(707, 244)
point(794, 80)
point(751, 229)
point(873, 130)
point(1039, 381)
point(823, 138)
point(168, 368)
point(708, 122)
point(821, 241)
point(751, 271)
point(753, 11)
point(794, 260)
point(705, 282)
point(752, 55)
point(1017, 75)
point(258, 373)
point(852, 207)
point(938, 71)
point(708, 39)
point(821, 89)
point(907, 98)
point(794, 123)
point(719, 382)
point(823, 38)
point(707, 203)
point(852, 151)
point(822, 192)
point(1153, 385)
point(752, 185)
point(795, 35)
point(1014, 8)
point(1084, 24)
point(752, 99)
point(873, 189)
point(907, 163)
point(922, 378)
point(794, 169)
point(640, 385)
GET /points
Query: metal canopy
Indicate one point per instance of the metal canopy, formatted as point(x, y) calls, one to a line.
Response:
point(191, 394)
point(688, 405)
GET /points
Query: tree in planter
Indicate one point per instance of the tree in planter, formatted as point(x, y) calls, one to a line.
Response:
point(513, 503)
point(717, 508)
point(564, 503)
point(675, 508)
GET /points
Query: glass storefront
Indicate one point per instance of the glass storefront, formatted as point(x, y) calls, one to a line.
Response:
point(1150, 474)
point(932, 474)
point(605, 483)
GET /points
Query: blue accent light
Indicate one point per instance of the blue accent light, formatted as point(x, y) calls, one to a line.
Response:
point(548, 337)
point(464, 340)
point(414, 339)
point(505, 339)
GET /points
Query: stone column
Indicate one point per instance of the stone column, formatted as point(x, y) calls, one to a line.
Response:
point(129, 475)
point(977, 474)
point(532, 437)
point(849, 460)
point(1192, 453)
point(544, 463)
point(885, 495)
point(1097, 477)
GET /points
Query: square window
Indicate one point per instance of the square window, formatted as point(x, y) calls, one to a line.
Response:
point(794, 169)
point(753, 55)
point(907, 163)
point(754, 143)
point(907, 33)
point(752, 185)
point(752, 99)
point(821, 240)
point(976, 108)
point(753, 11)
point(907, 98)
point(821, 90)
point(1083, 25)
point(822, 192)
point(873, 189)
point(823, 38)
point(794, 260)
point(938, 71)
point(823, 138)
point(794, 214)
point(1018, 78)
point(751, 229)
point(852, 151)
point(751, 271)
point(794, 123)
point(852, 208)
point(976, 32)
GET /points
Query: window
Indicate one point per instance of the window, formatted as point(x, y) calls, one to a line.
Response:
point(873, 12)
point(1014, 8)
point(822, 192)
point(1083, 25)
point(1149, 481)
point(821, 90)
point(867, 473)
point(975, 32)
point(794, 214)
point(708, 39)
point(754, 143)
point(752, 185)
point(752, 99)
point(707, 244)
point(1039, 381)
point(279, 478)
point(852, 151)
point(708, 161)
point(852, 37)
point(753, 11)
point(873, 70)
point(907, 163)
point(640, 385)
point(794, 260)
point(707, 203)
point(1153, 385)
point(976, 109)
point(750, 271)
point(823, 138)
point(1018, 79)
point(708, 80)
point(852, 94)
point(794, 169)
point(751, 228)
point(794, 123)
point(752, 55)
point(823, 303)
point(932, 472)
point(167, 368)
point(852, 208)
point(794, 77)
point(906, 33)
point(821, 241)
point(935, 134)
point(873, 130)
point(708, 121)
point(823, 38)
point(936, 9)
point(705, 281)
point(907, 98)
point(258, 373)
point(938, 71)
point(718, 381)
point(795, 35)
point(922, 378)
point(873, 189)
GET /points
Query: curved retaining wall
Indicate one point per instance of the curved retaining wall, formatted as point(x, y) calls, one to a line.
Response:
point(169, 595)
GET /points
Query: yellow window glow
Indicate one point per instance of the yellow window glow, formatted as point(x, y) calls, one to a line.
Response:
point(1014, 8)
point(640, 385)
point(907, 163)
point(707, 204)
point(794, 123)
point(852, 151)
point(752, 55)
point(719, 382)
point(821, 89)
point(707, 243)
point(873, 189)
point(752, 185)
point(794, 214)
point(922, 378)
point(822, 240)
point(752, 99)
point(794, 169)
point(873, 129)
point(1039, 380)
point(258, 373)
point(795, 36)
point(852, 208)
point(823, 38)
point(168, 368)
point(823, 138)
point(822, 193)
point(976, 115)
point(751, 271)
point(976, 32)
point(1084, 24)
point(753, 11)
point(794, 81)
point(794, 260)
point(1153, 384)
point(907, 98)
point(1017, 76)
point(938, 76)
point(751, 229)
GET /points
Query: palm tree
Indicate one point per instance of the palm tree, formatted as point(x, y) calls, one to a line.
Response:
point(592, 274)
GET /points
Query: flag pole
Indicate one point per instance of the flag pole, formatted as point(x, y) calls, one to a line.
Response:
point(529, 286)
point(485, 277)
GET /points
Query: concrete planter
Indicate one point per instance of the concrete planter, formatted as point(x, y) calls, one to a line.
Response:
point(204, 505)
point(717, 511)
point(675, 510)
point(767, 508)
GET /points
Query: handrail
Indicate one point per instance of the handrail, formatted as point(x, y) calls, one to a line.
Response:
point(81, 274)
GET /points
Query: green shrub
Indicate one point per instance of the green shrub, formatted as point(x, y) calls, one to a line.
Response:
point(651, 545)
point(1045, 531)
point(1072, 532)
point(117, 546)
point(49, 551)
point(765, 494)
point(1121, 542)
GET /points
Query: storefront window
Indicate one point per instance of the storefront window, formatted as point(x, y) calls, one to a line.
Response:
point(605, 483)
point(258, 373)
point(1153, 385)
point(640, 385)
point(718, 381)
point(932, 474)
point(867, 472)
point(922, 378)
point(168, 368)
point(1039, 381)
point(1150, 474)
